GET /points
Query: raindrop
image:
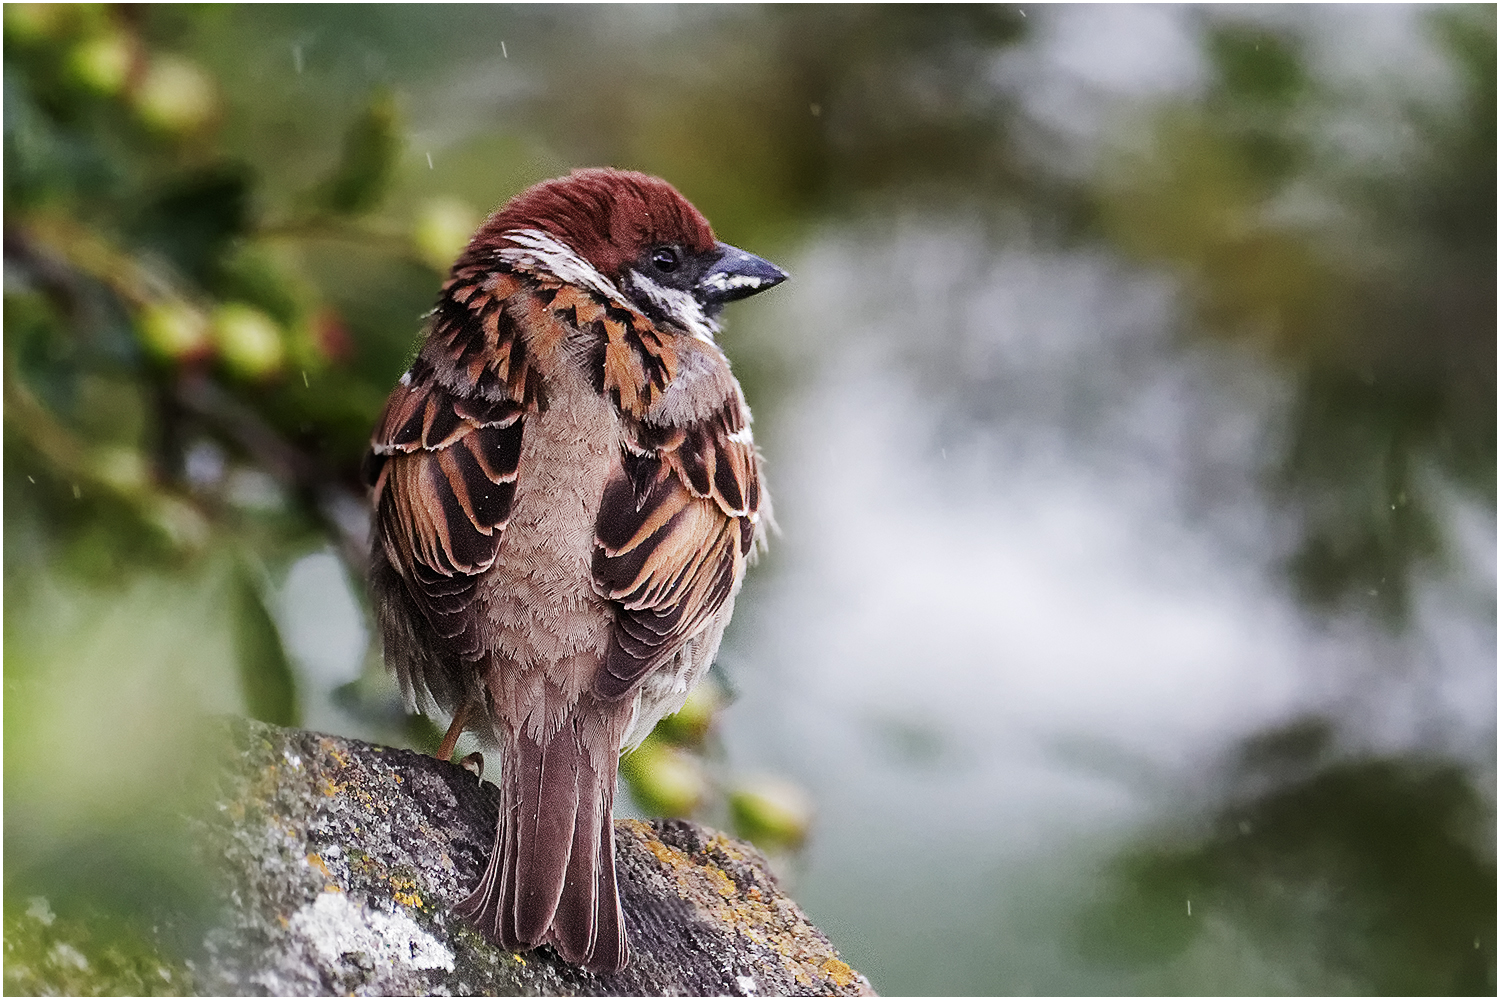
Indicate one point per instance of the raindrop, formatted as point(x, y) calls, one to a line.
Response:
point(503, 53)
point(297, 58)
point(429, 161)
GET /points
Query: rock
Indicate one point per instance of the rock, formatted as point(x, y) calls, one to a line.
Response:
point(339, 863)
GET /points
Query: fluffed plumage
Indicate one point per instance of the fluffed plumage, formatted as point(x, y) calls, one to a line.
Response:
point(566, 492)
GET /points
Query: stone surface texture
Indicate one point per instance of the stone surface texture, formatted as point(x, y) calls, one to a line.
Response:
point(339, 862)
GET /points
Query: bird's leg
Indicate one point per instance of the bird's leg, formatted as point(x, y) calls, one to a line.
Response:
point(455, 730)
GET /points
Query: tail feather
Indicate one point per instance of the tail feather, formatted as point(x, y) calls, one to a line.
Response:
point(483, 904)
point(588, 929)
point(611, 946)
point(575, 924)
point(551, 876)
point(545, 828)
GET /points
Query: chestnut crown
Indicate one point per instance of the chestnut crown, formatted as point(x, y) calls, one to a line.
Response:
point(611, 218)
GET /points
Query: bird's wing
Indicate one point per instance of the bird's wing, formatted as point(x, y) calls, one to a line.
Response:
point(676, 525)
point(443, 460)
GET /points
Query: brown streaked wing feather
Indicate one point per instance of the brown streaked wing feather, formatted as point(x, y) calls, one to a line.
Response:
point(673, 533)
point(444, 478)
point(712, 463)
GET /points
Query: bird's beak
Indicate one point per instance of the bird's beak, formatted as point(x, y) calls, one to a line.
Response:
point(736, 275)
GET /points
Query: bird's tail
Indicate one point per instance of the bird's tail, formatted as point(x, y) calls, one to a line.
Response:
point(551, 878)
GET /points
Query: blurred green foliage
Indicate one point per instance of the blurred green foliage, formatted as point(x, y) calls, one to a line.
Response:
point(223, 226)
point(1372, 288)
point(1371, 874)
point(50, 956)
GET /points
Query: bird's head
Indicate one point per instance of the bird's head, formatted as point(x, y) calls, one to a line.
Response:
point(627, 235)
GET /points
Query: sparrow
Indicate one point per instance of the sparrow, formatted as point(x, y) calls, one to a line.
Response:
point(566, 493)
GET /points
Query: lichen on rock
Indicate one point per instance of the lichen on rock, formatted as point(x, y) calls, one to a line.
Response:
point(338, 863)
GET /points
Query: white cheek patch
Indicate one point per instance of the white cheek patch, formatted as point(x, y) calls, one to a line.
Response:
point(538, 249)
point(679, 305)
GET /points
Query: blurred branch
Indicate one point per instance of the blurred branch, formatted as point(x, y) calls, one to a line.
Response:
point(340, 510)
point(58, 252)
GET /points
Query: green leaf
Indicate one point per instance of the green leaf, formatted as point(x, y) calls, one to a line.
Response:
point(195, 220)
point(266, 678)
point(371, 147)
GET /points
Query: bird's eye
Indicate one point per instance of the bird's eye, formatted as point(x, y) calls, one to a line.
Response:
point(665, 259)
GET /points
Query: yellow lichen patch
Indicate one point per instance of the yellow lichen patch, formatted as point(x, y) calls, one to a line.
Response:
point(317, 863)
point(838, 971)
point(773, 922)
point(404, 890)
point(686, 868)
point(729, 847)
point(329, 787)
point(331, 748)
point(667, 855)
point(723, 884)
